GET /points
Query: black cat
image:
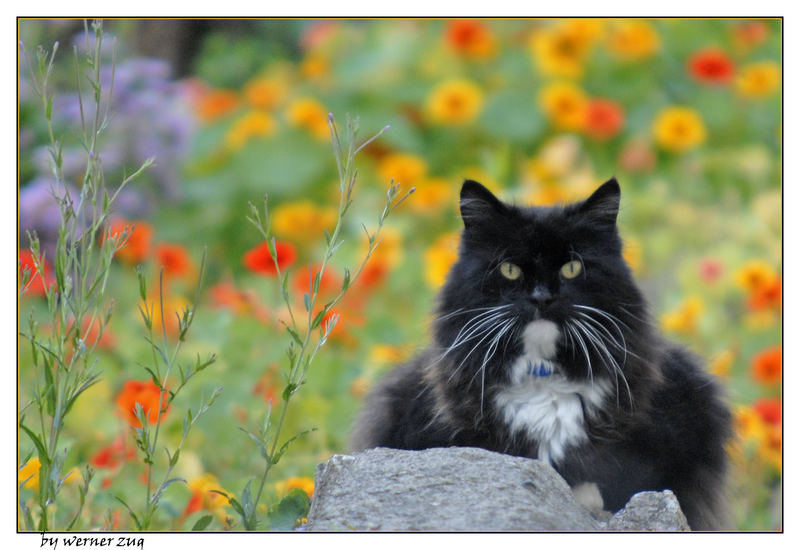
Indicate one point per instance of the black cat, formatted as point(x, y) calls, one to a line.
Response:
point(544, 348)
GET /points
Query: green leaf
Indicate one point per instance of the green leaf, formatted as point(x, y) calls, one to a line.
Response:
point(307, 301)
point(43, 458)
point(291, 440)
point(259, 443)
point(202, 523)
point(289, 510)
point(131, 512)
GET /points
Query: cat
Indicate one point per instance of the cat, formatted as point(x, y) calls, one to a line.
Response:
point(544, 348)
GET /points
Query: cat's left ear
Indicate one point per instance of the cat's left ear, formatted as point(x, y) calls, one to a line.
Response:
point(603, 205)
point(478, 204)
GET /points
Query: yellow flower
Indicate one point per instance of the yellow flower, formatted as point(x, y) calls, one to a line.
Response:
point(403, 168)
point(314, 66)
point(253, 124)
point(684, 317)
point(439, 258)
point(632, 254)
point(204, 486)
point(748, 424)
point(431, 195)
point(565, 105)
point(264, 93)
point(770, 448)
point(758, 80)
point(754, 274)
point(633, 40)
point(31, 470)
point(302, 221)
point(174, 306)
point(721, 363)
point(548, 193)
point(383, 354)
point(309, 113)
point(679, 129)
point(562, 50)
point(304, 483)
point(455, 101)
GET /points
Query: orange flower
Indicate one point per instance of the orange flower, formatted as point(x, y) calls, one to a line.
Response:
point(329, 284)
point(310, 114)
point(37, 283)
point(766, 367)
point(112, 455)
point(226, 295)
point(137, 247)
point(304, 483)
point(604, 119)
point(259, 259)
point(769, 408)
point(174, 258)
point(470, 38)
point(216, 104)
point(767, 295)
point(267, 386)
point(750, 34)
point(147, 395)
point(264, 93)
point(711, 66)
point(203, 496)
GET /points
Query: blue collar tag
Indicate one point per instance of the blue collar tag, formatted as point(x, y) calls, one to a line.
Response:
point(539, 369)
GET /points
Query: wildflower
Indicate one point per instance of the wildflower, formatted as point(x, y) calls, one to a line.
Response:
point(637, 156)
point(329, 284)
point(604, 119)
point(454, 102)
point(203, 495)
point(216, 104)
point(314, 66)
point(30, 470)
point(754, 274)
point(147, 394)
point(264, 93)
point(137, 247)
point(302, 221)
point(748, 424)
point(252, 124)
point(226, 295)
point(112, 455)
point(711, 66)
point(40, 278)
point(633, 40)
point(259, 260)
point(766, 296)
point(174, 258)
point(309, 113)
point(562, 50)
point(383, 354)
point(431, 195)
point(303, 483)
point(632, 254)
point(470, 38)
point(683, 318)
point(766, 366)
point(565, 104)
point(770, 447)
point(403, 168)
point(439, 258)
point(758, 80)
point(359, 387)
point(750, 34)
point(769, 409)
point(721, 363)
point(174, 306)
point(710, 269)
point(266, 386)
point(679, 129)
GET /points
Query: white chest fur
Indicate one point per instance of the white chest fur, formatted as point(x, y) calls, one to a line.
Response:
point(548, 408)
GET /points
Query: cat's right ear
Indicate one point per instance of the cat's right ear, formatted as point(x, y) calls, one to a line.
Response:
point(478, 204)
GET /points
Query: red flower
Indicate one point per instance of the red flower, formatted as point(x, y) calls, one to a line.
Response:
point(259, 260)
point(469, 37)
point(147, 395)
point(769, 409)
point(112, 455)
point(710, 269)
point(767, 366)
point(329, 284)
point(37, 284)
point(137, 247)
point(711, 66)
point(174, 258)
point(604, 119)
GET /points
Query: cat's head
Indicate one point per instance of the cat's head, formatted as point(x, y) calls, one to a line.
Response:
point(547, 281)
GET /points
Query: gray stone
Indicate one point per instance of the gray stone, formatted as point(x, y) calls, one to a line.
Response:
point(465, 489)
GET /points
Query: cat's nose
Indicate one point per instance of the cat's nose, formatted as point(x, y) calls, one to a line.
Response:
point(541, 296)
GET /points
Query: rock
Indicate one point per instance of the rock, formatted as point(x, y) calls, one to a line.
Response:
point(465, 489)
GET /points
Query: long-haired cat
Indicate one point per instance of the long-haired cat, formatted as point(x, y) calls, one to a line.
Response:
point(543, 347)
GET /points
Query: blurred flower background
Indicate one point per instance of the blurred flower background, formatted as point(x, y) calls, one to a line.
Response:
point(686, 113)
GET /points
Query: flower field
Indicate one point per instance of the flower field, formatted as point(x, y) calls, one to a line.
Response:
point(194, 330)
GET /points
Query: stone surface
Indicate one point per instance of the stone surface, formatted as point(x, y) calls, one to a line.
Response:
point(465, 489)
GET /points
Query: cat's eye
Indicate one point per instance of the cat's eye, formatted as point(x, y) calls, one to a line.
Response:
point(570, 270)
point(510, 271)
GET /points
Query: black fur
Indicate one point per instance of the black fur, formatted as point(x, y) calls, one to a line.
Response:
point(663, 426)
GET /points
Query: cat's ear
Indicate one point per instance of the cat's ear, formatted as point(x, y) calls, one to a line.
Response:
point(603, 205)
point(478, 204)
